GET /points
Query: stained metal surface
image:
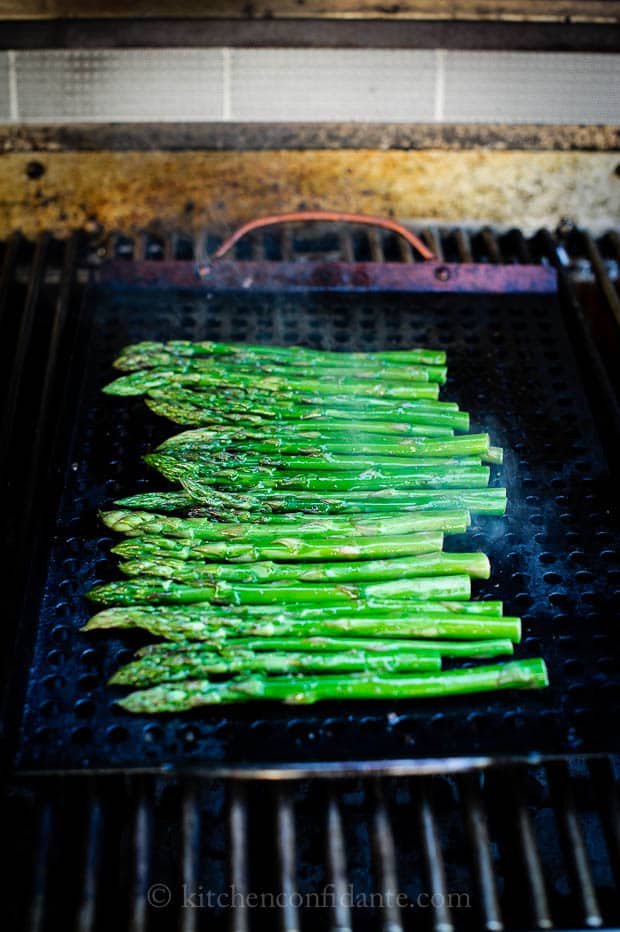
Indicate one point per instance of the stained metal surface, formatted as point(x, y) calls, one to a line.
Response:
point(348, 276)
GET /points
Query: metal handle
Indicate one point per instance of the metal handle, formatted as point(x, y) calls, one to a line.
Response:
point(330, 215)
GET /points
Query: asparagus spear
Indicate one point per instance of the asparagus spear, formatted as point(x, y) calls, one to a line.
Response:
point(524, 674)
point(137, 523)
point(475, 565)
point(167, 592)
point(289, 549)
point(213, 630)
point(229, 507)
point(231, 645)
point(164, 502)
point(203, 665)
point(387, 371)
point(250, 371)
point(346, 449)
point(287, 405)
point(292, 354)
point(245, 412)
point(263, 478)
point(279, 504)
point(306, 458)
point(231, 615)
point(143, 381)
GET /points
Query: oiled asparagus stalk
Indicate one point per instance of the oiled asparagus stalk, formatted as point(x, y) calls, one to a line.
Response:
point(210, 629)
point(167, 592)
point(292, 355)
point(137, 523)
point(202, 665)
point(228, 506)
point(328, 644)
point(440, 563)
point(289, 549)
point(178, 697)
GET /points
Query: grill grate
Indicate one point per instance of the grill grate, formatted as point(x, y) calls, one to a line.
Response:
point(534, 847)
point(518, 848)
point(554, 556)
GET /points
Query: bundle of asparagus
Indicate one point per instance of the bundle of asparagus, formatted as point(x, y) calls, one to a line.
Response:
point(303, 556)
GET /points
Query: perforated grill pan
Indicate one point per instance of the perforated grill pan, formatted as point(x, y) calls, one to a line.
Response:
point(555, 556)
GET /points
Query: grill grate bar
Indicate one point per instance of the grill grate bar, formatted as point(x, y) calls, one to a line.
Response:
point(287, 861)
point(346, 245)
point(491, 246)
point(433, 241)
point(238, 835)
point(604, 282)
point(480, 843)
point(7, 273)
point(142, 840)
point(89, 900)
point(38, 898)
point(287, 243)
point(257, 246)
point(573, 844)
point(440, 831)
point(375, 244)
point(463, 245)
point(23, 343)
point(540, 909)
point(43, 429)
point(190, 854)
point(609, 808)
point(337, 866)
point(405, 251)
point(434, 863)
point(385, 857)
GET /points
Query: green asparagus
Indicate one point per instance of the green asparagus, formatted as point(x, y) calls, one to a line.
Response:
point(524, 674)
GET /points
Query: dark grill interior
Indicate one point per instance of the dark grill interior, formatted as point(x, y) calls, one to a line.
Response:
point(532, 846)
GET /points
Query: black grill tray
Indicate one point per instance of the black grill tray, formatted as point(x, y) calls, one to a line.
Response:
point(555, 556)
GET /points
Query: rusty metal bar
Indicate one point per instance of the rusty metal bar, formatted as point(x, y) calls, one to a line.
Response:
point(601, 274)
point(475, 820)
point(345, 241)
point(337, 867)
point(238, 834)
point(489, 241)
point(385, 857)
point(140, 247)
point(376, 246)
point(463, 245)
point(433, 860)
point(286, 243)
point(287, 860)
point(433, 240)
point(405, 251)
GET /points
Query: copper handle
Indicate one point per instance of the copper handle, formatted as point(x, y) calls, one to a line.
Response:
point(331, 215)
